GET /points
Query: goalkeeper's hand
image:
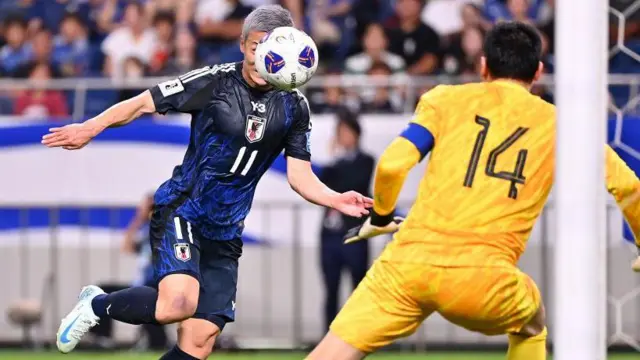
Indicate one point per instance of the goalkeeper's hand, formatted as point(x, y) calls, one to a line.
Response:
point(635, 265)
point(374, 225)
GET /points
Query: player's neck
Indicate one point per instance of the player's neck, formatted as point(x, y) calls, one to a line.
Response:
point(512, 82)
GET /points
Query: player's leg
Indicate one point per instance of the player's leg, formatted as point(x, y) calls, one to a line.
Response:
point(530, 343)
point(493, 301)
point(378, 312)
point(176, 261)
point(176, 258)
point(216, 307)
point(196, 338)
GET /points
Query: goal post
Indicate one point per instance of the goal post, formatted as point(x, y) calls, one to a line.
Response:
point(579, 301)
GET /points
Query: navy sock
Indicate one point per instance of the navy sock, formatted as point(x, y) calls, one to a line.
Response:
point(136, 305)
point(177, 354)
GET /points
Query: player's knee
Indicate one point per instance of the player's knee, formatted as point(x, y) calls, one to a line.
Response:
point(197, 337)
point(536, 325)
point(175, 308)
point(177, 298)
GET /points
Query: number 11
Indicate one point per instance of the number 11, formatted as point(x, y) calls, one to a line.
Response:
point(239, 158)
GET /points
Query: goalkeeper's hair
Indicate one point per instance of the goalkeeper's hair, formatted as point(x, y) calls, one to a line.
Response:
point(266, 18)
point(513, 50)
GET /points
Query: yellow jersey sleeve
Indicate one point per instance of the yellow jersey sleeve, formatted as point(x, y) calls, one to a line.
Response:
point(624, 185)
point(426, 112)
point(393, 167)
point(405, 152)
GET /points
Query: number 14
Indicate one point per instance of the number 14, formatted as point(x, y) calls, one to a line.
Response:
point(515, 177)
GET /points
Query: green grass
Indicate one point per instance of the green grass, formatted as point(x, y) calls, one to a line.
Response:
point(13, 355)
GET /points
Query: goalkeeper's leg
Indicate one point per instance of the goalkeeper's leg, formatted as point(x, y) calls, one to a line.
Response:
point(530, 343)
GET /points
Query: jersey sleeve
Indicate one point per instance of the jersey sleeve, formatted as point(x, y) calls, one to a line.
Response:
point(187, 93)
point(298, 141)
point(624, 185)
point(426, 114)
point(423, 128)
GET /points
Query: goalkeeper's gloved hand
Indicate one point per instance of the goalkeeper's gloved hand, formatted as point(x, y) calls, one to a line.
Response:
point(636, 263)
point(374, 225)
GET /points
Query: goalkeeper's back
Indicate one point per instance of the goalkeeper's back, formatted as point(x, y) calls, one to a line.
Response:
point(489, 174)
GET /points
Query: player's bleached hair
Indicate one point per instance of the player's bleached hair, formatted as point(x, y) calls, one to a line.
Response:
point(265, 18)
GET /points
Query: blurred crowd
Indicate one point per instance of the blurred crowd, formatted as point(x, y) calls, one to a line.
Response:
point(127, 39)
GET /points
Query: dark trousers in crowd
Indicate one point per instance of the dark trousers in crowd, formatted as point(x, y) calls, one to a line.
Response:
point(156, 335)
point(336, 257)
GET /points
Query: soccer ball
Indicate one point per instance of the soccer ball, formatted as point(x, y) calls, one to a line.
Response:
point(286, 58)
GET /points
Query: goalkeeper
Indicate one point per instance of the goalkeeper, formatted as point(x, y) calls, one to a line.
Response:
point(492, 158)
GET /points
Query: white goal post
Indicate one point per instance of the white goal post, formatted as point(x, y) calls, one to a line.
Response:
point(579, 302)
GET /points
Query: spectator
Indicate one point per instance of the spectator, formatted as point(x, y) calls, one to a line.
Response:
point(520, 10)
point(417, 43)
point(49, 14)
point(40, 103)
point(183, 10)
point(472, 17)
point(375, 50)
point(184, 58)
point(41, 49)
point(219, 25)
point(296, 7)
point(164, 27)
point(133, 39)
point(134, 70)
point(330, 98)
point(444, 16)
point(377, 99)
point(352, 169)
point(330, 27)
point(16, 52)
point(463, 56)
point(71, 47)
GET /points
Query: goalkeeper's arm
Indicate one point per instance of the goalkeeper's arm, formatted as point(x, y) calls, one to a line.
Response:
point(393, 167)
point(624, 185)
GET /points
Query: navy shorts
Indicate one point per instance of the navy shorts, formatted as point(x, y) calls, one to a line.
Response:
point(179, 248)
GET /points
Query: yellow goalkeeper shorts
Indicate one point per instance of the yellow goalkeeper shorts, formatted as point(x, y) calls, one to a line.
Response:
point(394, 298)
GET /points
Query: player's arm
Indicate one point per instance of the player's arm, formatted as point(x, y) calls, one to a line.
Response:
point(302, 178)
point(624, 185)
point(184, 94)
point(405, 152)
point(76, 136)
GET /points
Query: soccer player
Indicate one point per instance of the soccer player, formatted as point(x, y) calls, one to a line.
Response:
point(490, 171)
point(239, 126)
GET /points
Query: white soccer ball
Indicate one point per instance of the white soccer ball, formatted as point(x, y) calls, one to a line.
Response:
point(286, 58)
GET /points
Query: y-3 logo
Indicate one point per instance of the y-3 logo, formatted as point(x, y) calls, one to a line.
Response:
point(258, 107)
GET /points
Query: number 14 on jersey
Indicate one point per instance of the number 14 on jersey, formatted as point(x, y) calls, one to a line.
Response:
point(515, 177)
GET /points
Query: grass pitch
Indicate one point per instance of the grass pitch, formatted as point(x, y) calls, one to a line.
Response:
point(18, 355)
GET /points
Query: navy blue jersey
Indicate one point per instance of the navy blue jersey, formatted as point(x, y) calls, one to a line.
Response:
point(236, 134)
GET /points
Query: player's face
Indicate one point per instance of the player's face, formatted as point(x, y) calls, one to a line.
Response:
point(248, 48)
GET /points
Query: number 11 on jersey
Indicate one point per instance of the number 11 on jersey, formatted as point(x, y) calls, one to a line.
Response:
point(239, 158)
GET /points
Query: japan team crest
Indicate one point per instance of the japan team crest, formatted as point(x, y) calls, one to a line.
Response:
point(255, 128)
point(182, 252)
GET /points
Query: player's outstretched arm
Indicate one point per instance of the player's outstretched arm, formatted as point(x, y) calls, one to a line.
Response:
point(624, 185)
point(76, 136)
point(306, 183)
point(392, 170)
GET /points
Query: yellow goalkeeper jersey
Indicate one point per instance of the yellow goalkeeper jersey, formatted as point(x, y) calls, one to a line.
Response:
point(489, 175)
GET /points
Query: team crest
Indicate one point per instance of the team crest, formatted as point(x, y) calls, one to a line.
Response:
point(255, 128)
point(182, 252)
